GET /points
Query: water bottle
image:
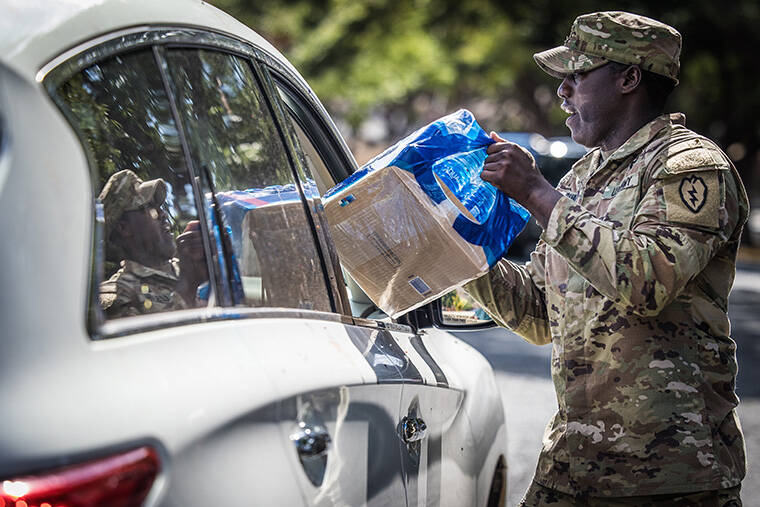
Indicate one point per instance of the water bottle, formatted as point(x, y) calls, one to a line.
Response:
point(461, 174)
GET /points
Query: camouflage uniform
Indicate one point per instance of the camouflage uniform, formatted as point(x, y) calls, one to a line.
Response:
point(629, 283)
point(136, 289)
point(539, 496)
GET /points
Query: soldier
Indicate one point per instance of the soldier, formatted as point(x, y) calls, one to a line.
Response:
point(138, 233)
point(629, 282)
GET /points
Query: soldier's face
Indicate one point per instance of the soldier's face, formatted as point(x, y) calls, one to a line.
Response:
point(151, 239)
point(592, 101)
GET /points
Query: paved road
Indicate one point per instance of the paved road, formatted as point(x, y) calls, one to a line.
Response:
point(523, 374)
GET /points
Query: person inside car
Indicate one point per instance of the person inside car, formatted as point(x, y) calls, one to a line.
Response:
point(138, 235)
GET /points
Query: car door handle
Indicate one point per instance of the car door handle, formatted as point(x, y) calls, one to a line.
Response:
point(412, 429)
point(311, 440)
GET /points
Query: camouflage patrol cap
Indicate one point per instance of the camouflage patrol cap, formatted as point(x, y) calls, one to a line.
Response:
point(124, 191)
point(615, 36)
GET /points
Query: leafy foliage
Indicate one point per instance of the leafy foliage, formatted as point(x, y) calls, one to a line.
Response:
point(407, 62)
point(452, 301)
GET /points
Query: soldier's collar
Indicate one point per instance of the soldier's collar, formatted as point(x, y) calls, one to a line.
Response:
point(143, 271)
point(593, 162)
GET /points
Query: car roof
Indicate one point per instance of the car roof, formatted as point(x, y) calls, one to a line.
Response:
point(35, 32)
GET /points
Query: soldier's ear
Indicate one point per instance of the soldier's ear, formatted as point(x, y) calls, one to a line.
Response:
point(630, 79)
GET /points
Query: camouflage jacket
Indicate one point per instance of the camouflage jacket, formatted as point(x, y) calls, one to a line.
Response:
point(136, 289)
point(630, 284)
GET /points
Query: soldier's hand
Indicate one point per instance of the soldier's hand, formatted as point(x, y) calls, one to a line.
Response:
point(190, 242)
point(192, 258)
point(513, 170)
point(510, 168)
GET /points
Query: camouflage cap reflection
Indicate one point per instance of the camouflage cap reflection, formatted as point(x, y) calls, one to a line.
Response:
point(125, 191)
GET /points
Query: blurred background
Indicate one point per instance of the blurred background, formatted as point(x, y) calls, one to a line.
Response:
point(386, 67)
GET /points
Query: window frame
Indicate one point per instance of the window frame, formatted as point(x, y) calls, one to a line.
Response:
point(158, 40)
point(273, 82)
point(320, 132)
point(324, 137)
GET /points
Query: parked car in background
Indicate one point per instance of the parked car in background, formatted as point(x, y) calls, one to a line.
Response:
point(554, 157)
point(177, 329)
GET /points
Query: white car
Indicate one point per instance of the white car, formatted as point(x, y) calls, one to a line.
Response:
point(224, 360)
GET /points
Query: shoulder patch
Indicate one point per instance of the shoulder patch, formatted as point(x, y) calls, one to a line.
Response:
point(690, 160)
point(694, 198)
point(693, 155)
point(566, 182)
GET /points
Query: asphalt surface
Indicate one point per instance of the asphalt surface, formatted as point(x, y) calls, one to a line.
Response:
point(523, 375)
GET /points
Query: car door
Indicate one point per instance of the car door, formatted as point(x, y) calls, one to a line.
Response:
point(295, 404)
point(429, 431)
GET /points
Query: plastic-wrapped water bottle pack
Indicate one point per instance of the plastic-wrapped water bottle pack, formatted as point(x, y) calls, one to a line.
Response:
point(418, 221)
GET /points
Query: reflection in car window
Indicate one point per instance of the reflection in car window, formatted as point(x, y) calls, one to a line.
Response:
point(236, 147)
point(310, 161)
point(154, 256)
point(312, 167)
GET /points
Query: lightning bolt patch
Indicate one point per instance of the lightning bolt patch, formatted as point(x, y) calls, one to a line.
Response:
point(693, 192)
point(694, 198)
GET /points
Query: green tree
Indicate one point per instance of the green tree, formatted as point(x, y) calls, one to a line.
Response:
point(410, 61)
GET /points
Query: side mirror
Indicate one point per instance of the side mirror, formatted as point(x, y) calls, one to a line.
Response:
point(454, 311)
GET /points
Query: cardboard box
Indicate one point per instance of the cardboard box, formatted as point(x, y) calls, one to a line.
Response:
point(268, 227)
point(279, 237)
point(399, 245)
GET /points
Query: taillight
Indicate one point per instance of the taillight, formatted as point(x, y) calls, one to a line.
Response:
point(121, 480)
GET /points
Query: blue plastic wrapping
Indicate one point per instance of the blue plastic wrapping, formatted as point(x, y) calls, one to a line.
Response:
point(235, 204)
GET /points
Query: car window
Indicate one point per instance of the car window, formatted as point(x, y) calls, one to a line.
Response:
point(152, 257)
point(248, 181)
point(314, 166)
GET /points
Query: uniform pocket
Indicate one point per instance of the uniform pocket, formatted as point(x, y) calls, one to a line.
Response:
point(619, 201)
